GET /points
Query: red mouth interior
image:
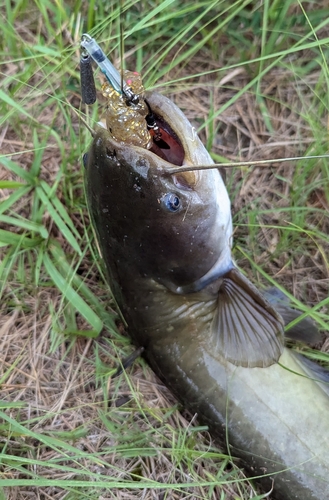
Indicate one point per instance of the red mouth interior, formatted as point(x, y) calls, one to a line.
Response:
point(167, 146)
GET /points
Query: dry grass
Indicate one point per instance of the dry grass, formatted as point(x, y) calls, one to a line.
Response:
point(264, 196)
point(65, 417)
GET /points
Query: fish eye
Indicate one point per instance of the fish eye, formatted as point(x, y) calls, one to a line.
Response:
point(171, 202)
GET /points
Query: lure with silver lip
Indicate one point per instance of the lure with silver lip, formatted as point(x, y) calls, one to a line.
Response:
point(206, 331)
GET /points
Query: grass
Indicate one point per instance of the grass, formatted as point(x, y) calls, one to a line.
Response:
point(253, 78)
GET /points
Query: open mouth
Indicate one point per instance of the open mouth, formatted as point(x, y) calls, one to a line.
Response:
point(166, 143)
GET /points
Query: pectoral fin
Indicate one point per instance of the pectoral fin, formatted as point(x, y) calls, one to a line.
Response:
point(248, 331)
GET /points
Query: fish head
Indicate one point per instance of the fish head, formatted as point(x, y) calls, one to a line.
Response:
point(172, 227)
point(157, 223)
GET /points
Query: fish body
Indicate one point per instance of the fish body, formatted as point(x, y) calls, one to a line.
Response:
point(210, 336)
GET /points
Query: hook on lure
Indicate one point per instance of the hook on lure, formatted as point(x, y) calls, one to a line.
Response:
point(93, 50)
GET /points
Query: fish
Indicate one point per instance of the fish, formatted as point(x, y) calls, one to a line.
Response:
point(163, 226)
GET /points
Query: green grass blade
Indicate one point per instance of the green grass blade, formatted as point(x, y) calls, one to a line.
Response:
point(14, 197)
point(24, 241)
point(10, 185)
point(16, 169)
point(71, 295)
point(59, 207)
point(58, 220)
point(25, 224)
point(66, 270)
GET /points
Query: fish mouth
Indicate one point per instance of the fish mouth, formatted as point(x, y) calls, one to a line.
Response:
point(166, 143)
point(178, 143)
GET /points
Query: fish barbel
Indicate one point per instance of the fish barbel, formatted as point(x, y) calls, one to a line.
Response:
point(207, 332)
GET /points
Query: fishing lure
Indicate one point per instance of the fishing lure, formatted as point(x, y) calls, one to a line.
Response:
point(129, 117)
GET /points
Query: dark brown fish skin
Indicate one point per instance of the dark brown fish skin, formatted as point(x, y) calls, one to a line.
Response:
point(273, 418)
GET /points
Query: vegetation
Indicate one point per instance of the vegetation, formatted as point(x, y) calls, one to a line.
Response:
point(253, 78)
